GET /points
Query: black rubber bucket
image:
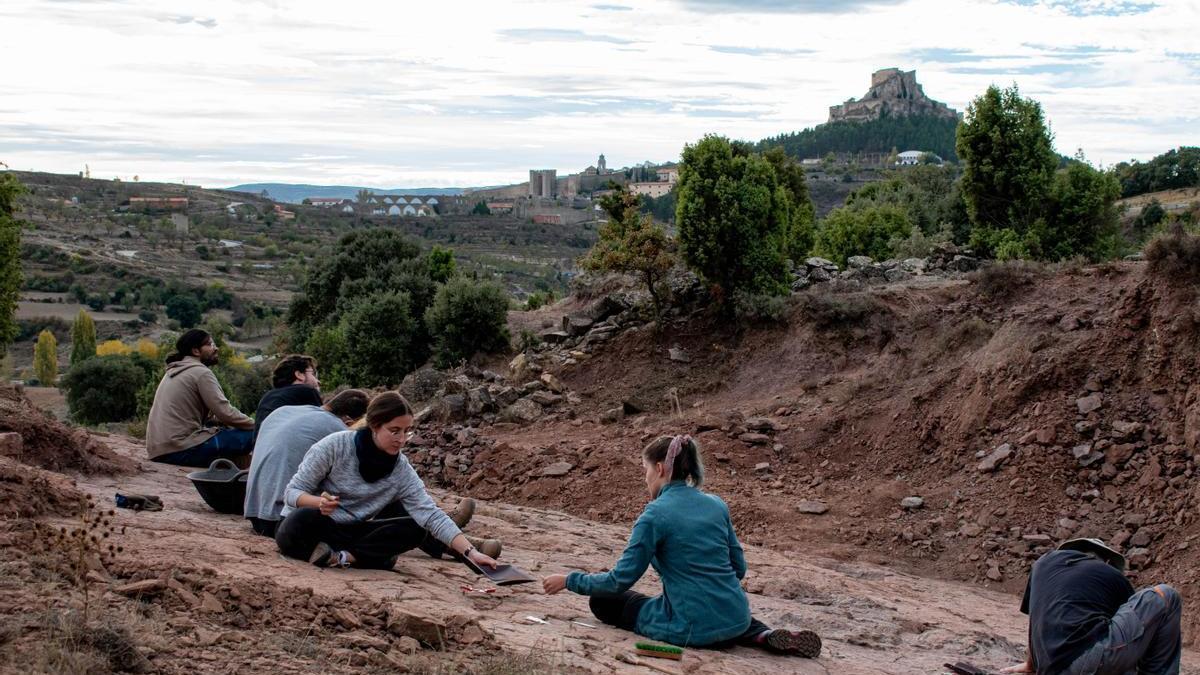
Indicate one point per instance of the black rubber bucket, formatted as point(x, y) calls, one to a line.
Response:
point(222, 486)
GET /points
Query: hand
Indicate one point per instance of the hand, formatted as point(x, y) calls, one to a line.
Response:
point(554, 583)
point(1022, 668)
point(329, 503)
point(481, 559)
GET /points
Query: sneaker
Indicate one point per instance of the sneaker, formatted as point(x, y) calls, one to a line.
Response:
point(324, 556)
point(489, 547)
point(803, 643)
point(463, 512)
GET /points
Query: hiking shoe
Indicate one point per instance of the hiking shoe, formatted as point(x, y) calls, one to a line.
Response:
point(489, 547)
point(324, 556)
point(463, 512)
point(803, 643)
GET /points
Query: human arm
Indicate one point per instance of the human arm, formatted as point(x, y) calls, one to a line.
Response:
point(219, 406)
point(737, 557)
point(462, 547)
point(420, 506)
point(643, 542)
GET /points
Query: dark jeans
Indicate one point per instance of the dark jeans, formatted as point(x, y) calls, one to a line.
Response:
point(622, 611)
point(264, 527)
point(373, 544)
point(227, 444)
point(1143, 636)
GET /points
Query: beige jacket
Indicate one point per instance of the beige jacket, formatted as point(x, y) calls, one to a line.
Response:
point(187, 401)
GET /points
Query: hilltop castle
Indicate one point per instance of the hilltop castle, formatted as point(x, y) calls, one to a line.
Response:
point(893, 92)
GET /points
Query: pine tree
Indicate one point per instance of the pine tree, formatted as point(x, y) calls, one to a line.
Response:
point(45, 358)
point(83, 338)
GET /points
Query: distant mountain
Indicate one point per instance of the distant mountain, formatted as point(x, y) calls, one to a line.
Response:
point(293, 193)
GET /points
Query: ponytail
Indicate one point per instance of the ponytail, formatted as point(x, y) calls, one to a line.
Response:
point(683, 452)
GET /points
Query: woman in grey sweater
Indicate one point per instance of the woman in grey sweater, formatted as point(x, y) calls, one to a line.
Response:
point(356, 500)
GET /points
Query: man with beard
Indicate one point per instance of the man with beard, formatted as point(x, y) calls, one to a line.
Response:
point(181, 428)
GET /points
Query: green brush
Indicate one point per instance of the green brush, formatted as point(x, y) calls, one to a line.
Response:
point(658, 651)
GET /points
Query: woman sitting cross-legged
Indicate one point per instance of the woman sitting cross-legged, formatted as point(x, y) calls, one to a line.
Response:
point(356, 501)
point(688, 537)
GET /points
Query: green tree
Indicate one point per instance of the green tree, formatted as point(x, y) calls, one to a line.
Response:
point(105, 388)
point(631, 243)
point(862, 231)
point(383, 340)
point(481, 209)
point(802, 215)
point(45, 359)
point(733, 219)
point(10, 258)
point(441, 264)
point(1009, 164)
point(185, 309)
point(466, 317)
point(1082, 216)
point(83, 337)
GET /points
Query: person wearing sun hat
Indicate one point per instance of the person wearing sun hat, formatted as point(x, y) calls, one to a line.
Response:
point(1085, 618)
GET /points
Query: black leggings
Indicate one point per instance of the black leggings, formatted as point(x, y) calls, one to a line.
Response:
point(373, 544)
point(621, 610)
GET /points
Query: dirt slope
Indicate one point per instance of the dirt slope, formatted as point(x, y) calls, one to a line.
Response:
point(1085, 374)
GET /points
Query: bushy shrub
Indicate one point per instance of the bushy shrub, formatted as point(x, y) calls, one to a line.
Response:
point(467, 317)
point(383, 340)
point(105, 388)
point(244, 383)
point(761, 307)
point(112, 347)
point(867, 231)
point(185, 309)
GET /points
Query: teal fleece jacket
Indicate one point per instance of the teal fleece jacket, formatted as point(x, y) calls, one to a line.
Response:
point(688, 537)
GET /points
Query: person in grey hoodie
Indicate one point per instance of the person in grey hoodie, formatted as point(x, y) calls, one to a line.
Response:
point(180, 429)
point(356, 501)
point(282, 442)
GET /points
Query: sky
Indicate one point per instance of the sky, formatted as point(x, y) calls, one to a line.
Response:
point(423, 94)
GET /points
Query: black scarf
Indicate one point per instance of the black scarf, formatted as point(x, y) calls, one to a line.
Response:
point(373, 463)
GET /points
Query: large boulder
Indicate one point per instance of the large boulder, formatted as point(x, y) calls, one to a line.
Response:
point(422, 385)
point(523, 411)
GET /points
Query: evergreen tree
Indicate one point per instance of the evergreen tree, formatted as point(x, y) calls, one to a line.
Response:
point(45, 359)
point(10, 259)
point(1009, 163)
point(733, 219)
point(83, 337)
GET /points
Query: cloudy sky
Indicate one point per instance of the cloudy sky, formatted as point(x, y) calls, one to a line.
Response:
point(408, 94)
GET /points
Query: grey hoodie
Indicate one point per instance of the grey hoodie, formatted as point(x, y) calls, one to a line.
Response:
point(188, 400)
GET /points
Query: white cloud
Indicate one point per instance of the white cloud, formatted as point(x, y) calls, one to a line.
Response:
point(435, 94)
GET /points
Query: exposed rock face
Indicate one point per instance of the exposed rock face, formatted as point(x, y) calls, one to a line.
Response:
point(893, 92)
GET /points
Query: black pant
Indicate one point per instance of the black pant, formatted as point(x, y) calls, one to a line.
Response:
point(622, 611)
point(264, 527)
point(373, 544)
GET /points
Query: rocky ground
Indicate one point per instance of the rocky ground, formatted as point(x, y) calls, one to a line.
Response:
point(211, 596)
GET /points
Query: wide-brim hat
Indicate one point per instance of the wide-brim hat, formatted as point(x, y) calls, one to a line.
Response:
point(1096, 547)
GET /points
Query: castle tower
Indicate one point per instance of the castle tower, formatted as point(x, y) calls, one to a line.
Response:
point(601, 165)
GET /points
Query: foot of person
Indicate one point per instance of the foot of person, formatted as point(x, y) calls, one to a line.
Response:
point(463, 512)
point(324, 556)
point(804, 643)
point(489, 547)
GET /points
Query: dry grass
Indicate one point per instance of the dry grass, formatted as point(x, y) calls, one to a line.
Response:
point(1174, 254)
point(831, 311)
point(1005, 279)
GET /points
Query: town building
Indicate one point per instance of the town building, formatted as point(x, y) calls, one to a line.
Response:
point(543, 183)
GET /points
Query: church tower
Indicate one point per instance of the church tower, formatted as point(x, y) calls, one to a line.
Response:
point(601, 165)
